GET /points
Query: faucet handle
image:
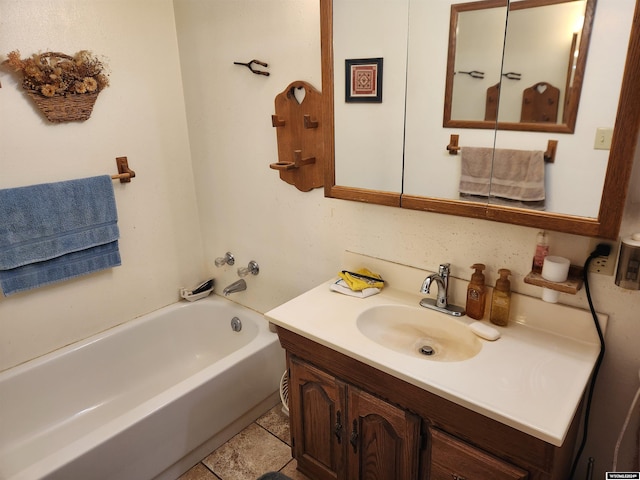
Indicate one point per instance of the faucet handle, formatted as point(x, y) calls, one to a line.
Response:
point(444, 269)
point(228, 259)
point(252, 269)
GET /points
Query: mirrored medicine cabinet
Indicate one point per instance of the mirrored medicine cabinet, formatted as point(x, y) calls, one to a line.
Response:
point(535, 69)
point(462, 68)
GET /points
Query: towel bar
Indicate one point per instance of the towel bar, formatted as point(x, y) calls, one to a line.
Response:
point(549, 154)
point(125, 174)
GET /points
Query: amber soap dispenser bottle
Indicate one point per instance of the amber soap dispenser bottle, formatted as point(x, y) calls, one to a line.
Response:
point(476, 293)
point(501, 299)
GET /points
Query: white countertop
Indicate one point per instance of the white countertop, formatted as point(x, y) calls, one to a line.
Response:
point(531, 379)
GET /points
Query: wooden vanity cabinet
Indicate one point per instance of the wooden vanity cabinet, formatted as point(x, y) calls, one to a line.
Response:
point(454, 459)
point(341, 432)
point(317, 427)
point(351, 421)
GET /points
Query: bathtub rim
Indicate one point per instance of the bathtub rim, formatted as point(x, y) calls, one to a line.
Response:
point(127, 324)
point(108, 430)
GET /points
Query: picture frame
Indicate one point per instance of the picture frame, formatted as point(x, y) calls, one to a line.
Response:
point(363, 80)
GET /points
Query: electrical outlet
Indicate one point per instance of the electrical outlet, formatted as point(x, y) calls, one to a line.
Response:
point(603, 265)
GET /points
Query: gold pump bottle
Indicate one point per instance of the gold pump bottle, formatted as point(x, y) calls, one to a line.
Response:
point(476, 293)
point(501, 299)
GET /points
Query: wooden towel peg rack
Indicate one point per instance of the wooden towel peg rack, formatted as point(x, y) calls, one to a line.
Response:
point(125, 174)
point(549, 154)
point(299, 135)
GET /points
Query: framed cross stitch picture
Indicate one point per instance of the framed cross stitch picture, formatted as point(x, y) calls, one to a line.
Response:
point(363, 80)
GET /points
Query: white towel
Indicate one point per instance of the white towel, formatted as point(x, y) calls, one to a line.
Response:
point(341, 287)
point(504, 173)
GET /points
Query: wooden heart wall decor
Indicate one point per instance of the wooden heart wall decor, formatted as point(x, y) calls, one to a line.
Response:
point(299, 132)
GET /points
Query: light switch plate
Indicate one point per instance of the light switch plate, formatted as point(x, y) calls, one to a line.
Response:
point(603, 139)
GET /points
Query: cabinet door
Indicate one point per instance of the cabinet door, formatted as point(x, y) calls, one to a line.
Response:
point(453, 459)
point(316, 403)
point(384, 440)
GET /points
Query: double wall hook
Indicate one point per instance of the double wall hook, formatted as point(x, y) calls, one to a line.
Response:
point(512, 75)
point(474, 74)
point(253, 70)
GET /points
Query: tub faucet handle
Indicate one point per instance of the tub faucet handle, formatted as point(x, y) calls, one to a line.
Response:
point(228, 259)
point(253, 268)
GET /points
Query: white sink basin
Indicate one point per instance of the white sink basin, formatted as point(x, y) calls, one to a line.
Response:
point(419, 333)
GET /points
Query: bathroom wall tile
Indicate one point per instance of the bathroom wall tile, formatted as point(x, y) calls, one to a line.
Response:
point(276, 422)
point(248, 455)
point(199, 472)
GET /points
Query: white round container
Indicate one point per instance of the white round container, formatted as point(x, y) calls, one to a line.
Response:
point(554, 269)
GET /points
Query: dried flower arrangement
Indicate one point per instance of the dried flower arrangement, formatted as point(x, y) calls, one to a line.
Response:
point(63, 87)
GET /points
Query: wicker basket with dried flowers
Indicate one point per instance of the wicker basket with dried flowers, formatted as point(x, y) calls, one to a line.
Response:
point(63, 87)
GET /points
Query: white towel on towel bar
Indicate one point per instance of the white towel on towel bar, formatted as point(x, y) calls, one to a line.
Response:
point(504, 173)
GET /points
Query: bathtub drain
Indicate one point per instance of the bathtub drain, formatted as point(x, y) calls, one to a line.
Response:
point(236, 324)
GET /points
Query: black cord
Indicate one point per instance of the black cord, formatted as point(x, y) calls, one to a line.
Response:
point(585, 429)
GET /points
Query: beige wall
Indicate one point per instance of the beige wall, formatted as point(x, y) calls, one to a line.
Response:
point(297, 238)
point(242, 206)
point(141, 116)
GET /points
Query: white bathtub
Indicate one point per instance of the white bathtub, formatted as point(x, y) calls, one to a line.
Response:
point(143, 400)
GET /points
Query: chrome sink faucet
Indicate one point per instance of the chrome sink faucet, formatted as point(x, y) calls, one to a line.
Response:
point(441, 303)
point(442, 280)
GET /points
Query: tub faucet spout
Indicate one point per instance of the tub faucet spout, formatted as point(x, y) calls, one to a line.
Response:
point(237, 286)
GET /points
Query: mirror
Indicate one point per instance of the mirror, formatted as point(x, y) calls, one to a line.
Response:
point(535, 82)
point(372, 135)
point(605, 223)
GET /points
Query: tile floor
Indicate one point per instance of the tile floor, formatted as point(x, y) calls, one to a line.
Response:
point(264, 446)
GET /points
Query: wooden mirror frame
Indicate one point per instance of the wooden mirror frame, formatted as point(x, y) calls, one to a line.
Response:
point(616, 184)
point(570, 112)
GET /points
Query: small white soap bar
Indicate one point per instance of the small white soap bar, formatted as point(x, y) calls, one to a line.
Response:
point(484, 331)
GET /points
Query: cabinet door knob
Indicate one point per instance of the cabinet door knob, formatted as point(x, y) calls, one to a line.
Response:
point(457, 477)
point(354, 436)
point(338, 428)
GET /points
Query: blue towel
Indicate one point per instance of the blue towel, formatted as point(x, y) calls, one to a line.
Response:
point(56, 231)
